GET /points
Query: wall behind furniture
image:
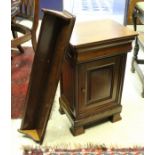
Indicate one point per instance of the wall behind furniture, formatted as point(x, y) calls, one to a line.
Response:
point(51, 4)
point(98, 9)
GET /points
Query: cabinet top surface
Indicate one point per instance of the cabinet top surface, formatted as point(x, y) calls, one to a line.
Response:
point(101, 31)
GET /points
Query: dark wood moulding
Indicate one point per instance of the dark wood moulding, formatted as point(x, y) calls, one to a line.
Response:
point(55, 33)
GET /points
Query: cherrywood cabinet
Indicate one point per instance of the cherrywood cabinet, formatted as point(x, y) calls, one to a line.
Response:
point(93, 73)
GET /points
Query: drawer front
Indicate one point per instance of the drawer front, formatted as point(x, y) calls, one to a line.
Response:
point(100, 84)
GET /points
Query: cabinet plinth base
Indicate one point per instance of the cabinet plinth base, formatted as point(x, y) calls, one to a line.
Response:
point(116, 117)
point(77, 130)
point(61, 110)
point(78, 125)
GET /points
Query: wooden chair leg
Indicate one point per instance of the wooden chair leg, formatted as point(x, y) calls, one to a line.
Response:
point(20, 48)
point(136, 48)
point(15, 35)
point(135, 55)
point(142, 93)
point(34, 42)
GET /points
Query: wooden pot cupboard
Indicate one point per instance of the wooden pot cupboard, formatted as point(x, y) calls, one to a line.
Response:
point(93, 73)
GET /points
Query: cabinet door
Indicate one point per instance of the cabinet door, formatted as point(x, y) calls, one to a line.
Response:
point(100, 84)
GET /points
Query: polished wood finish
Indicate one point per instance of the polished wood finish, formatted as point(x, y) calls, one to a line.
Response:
point(138, 13)
point(28, 10)
point(93, 73)
point(132, 4)
point(55, 32)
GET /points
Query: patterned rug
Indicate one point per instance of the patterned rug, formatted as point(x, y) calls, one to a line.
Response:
point(20, 71)
point(98, 150)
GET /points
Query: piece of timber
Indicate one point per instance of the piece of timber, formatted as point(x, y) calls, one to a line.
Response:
point(55, 33)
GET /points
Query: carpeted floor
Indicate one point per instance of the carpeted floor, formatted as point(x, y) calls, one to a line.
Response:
point(20, 72)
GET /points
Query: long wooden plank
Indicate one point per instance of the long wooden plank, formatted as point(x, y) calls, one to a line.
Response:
point(56, 29)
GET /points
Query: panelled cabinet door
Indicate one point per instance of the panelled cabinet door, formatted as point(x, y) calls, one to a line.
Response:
point(99, 82)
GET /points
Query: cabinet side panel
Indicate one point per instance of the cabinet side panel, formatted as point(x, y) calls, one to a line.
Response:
point(67, 84)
